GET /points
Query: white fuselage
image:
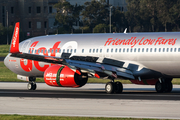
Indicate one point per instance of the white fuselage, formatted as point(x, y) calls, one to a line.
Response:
point(155, 51)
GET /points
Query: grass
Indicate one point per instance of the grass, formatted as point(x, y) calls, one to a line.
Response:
point(25, 117)
point(4, 50)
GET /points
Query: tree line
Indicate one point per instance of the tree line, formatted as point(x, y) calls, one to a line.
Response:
point(141, 16)
point(94, 17)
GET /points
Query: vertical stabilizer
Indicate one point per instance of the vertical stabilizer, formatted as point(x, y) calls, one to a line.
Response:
point(14, 48)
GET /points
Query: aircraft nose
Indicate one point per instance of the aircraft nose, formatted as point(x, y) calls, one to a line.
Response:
point(6, 61)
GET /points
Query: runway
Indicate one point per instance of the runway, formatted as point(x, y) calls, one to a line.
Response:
point(91, 101)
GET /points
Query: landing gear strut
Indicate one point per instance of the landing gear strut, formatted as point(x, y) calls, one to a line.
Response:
point(164, 86)
point(31, 85)
point(114, 87)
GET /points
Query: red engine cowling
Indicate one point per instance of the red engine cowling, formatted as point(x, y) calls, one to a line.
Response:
point(63, 76)
point(145, 82)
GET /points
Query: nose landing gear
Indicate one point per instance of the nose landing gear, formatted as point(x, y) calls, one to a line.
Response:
point(32, 85)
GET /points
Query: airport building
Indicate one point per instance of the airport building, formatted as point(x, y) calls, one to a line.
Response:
point(37, 17)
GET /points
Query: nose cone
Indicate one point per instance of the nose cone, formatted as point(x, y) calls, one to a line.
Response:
point(6, 61)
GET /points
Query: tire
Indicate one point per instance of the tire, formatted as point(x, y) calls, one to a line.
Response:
point(34, 86)
point(169, 86)
point(109, 88)
point(30, 86)
point(118, 87)
point(160, 87)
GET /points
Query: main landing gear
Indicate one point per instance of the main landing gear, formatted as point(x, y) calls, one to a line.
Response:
point(32, 85)
point(164, 86)
point(114, 87)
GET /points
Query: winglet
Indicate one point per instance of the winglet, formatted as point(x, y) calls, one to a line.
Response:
point(125, 31)
point(14, 48)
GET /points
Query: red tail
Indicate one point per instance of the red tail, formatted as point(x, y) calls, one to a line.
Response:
point(14, 48)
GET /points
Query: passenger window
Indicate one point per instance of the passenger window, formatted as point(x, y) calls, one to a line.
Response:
point(29, 51)
point(93, 50)
point(128, 50)
point(112, 50)
point(100, 50)
point(56, 50)
point(89, 50)
point(154, 49)
point(131, 50)
point(134, 49)
point(82, 50)
point(124, 50)
point(151, 50)
point(74, 50)
point(32, 51)
point(64, 50)
point(174, 49)
point(38, 51)
point(178, 49)
point(71, 50)
point(45, 51)
point(171, 49)
point(60, 51)
point(139, 50)
point(116, 50)
point(52, 51)
point(159, 49)
point(67, 50)
point(35, 51)
point(163, 49)
point(41, 51)
point(96, 50)
point(107, 50)
point(143, 50)
point(167, 49)
point(119, 50)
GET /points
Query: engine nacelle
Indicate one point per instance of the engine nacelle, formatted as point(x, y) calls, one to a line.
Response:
point(63, 76)
point(145, 82)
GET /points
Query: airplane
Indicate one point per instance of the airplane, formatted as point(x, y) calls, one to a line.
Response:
point(68, 60)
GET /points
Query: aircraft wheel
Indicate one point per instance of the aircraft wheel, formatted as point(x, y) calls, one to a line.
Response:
point(109, 88)
point(31, 86)
point(34, 86)
point(118, 87)
point(160, 87)
point(169, 86)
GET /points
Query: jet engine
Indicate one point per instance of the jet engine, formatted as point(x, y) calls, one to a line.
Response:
point(63, 76)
